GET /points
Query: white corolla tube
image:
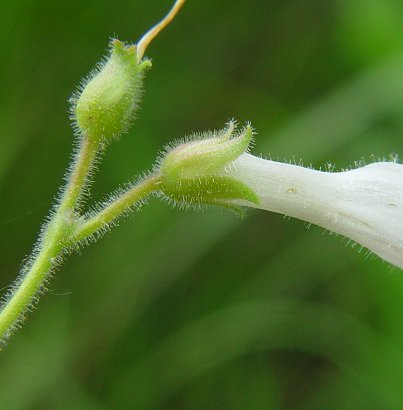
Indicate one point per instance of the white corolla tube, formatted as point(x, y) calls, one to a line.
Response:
point(363, 204)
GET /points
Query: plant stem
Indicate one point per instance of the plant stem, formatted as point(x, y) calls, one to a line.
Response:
point(115, 209)
point(22, 297)
point(64, 231)
point(83, 162)
point(51, 244)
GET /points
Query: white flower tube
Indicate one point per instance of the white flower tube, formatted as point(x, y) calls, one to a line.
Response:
point(364, 204)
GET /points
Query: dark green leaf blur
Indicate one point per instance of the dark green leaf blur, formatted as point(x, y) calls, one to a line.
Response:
point(203, 310)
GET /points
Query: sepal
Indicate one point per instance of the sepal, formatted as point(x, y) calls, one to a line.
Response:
point(105, 106)
point(196, 171)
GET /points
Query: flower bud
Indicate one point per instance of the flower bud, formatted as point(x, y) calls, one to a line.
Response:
point(105, 106)
point(194, 172)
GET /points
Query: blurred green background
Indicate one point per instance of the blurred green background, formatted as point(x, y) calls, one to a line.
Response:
point(177, 310)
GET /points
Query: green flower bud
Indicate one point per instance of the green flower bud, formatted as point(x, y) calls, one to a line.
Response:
point(105, 105)
point(196, 171)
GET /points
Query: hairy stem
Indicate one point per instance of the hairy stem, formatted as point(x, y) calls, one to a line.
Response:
point(51, 244)
point(115, 209)
point(82, 166)
point(23, 296)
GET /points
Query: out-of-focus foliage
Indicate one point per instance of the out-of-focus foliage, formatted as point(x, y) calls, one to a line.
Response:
point(203, 310)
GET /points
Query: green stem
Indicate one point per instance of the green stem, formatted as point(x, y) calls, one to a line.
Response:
point(51, 244)
point(115, 209)
point(64, 231)
point(28, 288)
point(83, 162)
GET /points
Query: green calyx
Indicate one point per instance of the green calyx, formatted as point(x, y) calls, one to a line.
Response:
point(107, 102)
point(196, 172)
